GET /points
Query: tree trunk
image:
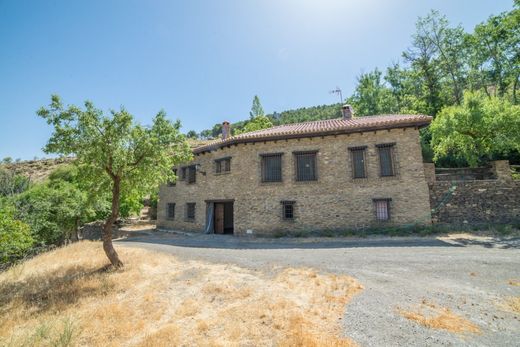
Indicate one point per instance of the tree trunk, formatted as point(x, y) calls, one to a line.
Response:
point(108, 247)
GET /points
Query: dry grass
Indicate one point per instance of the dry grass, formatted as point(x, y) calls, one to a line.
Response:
point(513, 304)
point(67, 297)
point(434, 317)
point(513, 282)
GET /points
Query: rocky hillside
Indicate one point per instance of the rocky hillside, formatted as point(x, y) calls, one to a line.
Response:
point(37, 170)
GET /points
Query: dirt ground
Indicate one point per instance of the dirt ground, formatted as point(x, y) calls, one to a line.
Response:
point(448, 291)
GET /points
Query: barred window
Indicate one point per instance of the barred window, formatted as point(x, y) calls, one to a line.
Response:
point(358, 161)
point(306, 166)
point(174, 182)
point(288, 209)
point(382, 207)
point(171, 210)
point(386, 159)
point(192, 174)
point(183, 173)
point(223, 165)
point(272, 167)
point(190, 211)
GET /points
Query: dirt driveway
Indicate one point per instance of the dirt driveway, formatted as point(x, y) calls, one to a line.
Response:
point(472, 277)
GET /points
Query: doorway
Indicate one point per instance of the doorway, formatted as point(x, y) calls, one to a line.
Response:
point(223, 218)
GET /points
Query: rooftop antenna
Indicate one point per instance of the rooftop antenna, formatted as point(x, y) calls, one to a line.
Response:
point(337, 91)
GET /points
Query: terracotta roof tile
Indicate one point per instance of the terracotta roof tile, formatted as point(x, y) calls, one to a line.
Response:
point(321, 127)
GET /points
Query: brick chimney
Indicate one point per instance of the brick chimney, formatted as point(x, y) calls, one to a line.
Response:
point(226, 130)
point(347, 111)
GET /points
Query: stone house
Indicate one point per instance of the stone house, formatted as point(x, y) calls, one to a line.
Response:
point(337, 174)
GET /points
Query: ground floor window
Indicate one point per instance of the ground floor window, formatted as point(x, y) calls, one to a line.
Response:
point(190, 211)
point(171, 210)
point(382, 207)
point(288, 209)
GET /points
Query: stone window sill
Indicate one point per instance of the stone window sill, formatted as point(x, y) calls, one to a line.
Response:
point(222, 173)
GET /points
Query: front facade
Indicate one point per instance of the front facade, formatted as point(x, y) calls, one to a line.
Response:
point(349, 173)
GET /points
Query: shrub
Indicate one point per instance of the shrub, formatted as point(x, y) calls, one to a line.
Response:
point(15, 237)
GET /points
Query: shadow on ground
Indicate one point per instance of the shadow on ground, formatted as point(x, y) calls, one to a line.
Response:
point(243, 242)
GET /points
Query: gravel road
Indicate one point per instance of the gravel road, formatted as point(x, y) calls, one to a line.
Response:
point(469, 276)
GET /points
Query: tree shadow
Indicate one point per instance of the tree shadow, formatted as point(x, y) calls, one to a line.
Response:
point(54, 291)
point(495, 242)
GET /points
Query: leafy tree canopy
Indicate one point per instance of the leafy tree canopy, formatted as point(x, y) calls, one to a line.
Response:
point(477, 130)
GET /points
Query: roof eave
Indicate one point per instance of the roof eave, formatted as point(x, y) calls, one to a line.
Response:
point(236, 141)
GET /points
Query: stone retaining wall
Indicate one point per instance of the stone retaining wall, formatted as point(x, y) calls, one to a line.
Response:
point(475, 201)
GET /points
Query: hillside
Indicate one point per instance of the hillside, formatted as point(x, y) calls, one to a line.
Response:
point(68, 297)
point(37, 170)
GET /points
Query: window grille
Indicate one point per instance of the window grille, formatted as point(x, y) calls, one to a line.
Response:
point(223, 165)
point(190, 211)
point(192, 174)
point(288, 209)
point(306, 166)
point(382, 207)
point(358, 160)
point(171, 211)
point(386, 159)
point(272, 167)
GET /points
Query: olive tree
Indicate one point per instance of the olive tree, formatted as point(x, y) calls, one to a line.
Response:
point(114, 153)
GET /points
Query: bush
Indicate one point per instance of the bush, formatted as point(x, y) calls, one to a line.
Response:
point(15, 237)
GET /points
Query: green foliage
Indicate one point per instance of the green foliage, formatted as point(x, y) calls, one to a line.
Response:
point(53, 211)
point(372, 96)
point(7, 160)
point(15, 236)
point(192, 134)
point(11, 183)
point(256, 109)
point(477, 130)
point(114, 147)
point(257, 123)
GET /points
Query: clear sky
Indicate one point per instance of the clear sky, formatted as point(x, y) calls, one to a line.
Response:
point(200, 61)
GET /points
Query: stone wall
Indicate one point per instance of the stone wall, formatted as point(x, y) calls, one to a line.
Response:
point(335, 201)
point(476, 201)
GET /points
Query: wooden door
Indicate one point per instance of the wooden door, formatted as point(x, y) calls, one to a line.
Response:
point(219, 218)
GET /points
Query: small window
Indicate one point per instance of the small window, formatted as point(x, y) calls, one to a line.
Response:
point(288, 210)
point(192, 174)
point(272, 167)
point(190, 211)
point(171, 211)
point(386, 159)
point(174, 182)
point(306, 166)
point(223, 165)
point(183, 173)
point(358, 162)
point(382, 207)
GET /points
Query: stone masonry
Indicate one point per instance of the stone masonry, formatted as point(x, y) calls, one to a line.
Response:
point(336, 201)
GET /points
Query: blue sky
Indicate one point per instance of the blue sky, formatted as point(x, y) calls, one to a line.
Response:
point(200, 61)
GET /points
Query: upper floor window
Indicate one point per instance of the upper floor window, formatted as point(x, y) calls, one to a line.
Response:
point(272, 167)
point(358, 161)
point(306, 166)
point(171, 210)
point(192, 174)
point(382, 207)
point(223, 165)
point(190, 211)
point(386, 159)
point(174, 182)
point(183, 173)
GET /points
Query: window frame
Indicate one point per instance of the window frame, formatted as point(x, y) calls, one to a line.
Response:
point(353, 151)
point(291, 204)
point(191, 179)
point(183, 173)
point(170, 207)
point(222, 165)
point(390, 147)
point(188, 217)
point(297, 155)
point(387, 201)
point(263, 167)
